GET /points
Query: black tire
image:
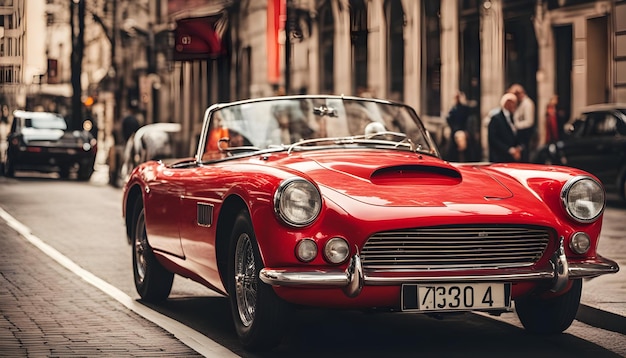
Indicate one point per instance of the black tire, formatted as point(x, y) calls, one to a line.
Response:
point(258, 313)
point(549, 316)
point(64, 172)
point(152, 281)
point(85, 172)
point(9, 168)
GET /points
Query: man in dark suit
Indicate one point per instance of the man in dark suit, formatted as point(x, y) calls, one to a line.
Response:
point(504, 145)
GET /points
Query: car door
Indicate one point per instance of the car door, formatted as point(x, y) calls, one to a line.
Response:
point(162, 208)
point(594, 147)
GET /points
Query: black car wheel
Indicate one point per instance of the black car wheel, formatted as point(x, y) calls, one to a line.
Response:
point(259, 314)
point(152, 281)
point(64, 172)
point(9, 168)
point(549, 316)
point(85, 172)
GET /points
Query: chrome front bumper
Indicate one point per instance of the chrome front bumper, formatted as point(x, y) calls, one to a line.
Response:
point(354, 277)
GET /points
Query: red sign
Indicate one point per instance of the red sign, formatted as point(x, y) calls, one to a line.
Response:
point(275, 23)
point(198, 38)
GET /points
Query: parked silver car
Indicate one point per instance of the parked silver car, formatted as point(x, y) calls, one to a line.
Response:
point(150, 142)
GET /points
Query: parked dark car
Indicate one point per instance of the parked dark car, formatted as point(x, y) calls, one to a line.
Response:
point(41, 141)
point(595, 141)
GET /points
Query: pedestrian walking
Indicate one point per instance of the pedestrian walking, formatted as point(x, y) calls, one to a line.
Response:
point(524, 117)
point(504, 145)
point(457, 121)
point(130, 124)
point(552, 120)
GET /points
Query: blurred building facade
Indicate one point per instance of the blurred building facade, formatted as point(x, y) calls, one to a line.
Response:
point(171, 59)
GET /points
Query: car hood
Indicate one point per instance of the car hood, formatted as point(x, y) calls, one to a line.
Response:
point(392, 179)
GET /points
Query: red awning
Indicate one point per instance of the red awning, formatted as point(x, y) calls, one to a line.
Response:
point(198, 39)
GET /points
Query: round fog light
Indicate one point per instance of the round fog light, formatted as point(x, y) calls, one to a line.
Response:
point(580, 243)
point(306, 250)
point(336, 250)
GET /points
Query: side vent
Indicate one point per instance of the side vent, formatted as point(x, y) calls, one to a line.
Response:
point(205, 214)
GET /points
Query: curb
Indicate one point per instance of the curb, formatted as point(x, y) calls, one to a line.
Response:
point(601, 319)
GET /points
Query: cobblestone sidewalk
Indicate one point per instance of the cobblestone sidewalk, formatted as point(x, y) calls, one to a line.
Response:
point(45, 311)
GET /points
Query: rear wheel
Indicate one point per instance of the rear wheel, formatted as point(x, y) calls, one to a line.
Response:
point(622, 188)
point(64, 172)
point(85, 172)
point(9, 168)
point(549, 316)
point(259, 315)
point(152, 281)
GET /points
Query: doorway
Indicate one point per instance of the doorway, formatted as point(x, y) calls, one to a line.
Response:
point(563, 69)
point(597, 63)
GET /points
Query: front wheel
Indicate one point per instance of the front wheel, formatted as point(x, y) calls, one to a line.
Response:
point(152, 281)
point(549, 316)
point(259, 314)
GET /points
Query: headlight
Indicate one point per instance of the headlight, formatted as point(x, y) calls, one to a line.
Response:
point(580, 243)
point(306, 250)
point(297, 202)
point(336, 250)
point(583, 198)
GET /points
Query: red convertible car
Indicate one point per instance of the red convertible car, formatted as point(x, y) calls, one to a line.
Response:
point(345, 202)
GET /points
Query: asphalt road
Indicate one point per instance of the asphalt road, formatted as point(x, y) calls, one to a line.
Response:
point(83, 222)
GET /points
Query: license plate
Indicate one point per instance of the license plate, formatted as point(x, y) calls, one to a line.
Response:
point(456, 297)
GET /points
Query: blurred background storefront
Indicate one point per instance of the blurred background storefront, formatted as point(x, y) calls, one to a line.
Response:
point(171, 59)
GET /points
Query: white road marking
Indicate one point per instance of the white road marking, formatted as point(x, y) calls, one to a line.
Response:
point(190, 337)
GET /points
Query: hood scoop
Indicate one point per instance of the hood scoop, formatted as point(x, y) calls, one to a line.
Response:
point(424, 174)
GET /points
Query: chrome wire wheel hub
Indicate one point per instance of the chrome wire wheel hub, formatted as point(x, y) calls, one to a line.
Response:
point(141, 244)
point(245, 280)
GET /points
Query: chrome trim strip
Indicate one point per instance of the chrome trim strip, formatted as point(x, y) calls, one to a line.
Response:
point(321, 278)
point(324, 278)
point(561, 268)
point(355, 277)
point(537, 275)
point(593, 269)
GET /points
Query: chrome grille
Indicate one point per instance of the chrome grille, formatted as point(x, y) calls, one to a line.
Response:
point(455, 247)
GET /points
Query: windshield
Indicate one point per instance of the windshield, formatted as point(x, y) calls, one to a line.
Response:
point(305, 123)
point(45, 121)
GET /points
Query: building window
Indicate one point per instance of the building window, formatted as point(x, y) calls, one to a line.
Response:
point(469, 52)
point(432, 33)
point(7, 74)
point(327, 34)
point(358, 34)
point(395, 17)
